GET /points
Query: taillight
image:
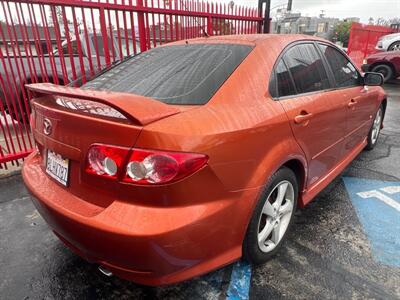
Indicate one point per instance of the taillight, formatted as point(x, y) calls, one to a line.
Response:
point(105, 160)
point(144, 167)
point(158, 167)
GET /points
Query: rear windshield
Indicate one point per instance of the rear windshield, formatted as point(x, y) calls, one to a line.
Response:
point(179, 74)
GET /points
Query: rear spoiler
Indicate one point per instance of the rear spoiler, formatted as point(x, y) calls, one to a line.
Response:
point(141, 110)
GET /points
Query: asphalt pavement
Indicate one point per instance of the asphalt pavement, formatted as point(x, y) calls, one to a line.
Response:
point(345, 244)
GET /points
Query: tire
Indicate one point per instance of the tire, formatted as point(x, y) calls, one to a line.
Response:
point(373, 134)
point(395, 46)
point(267, 213)
point(385, 70)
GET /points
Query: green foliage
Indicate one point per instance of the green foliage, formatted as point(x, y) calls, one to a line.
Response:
point(342, 32)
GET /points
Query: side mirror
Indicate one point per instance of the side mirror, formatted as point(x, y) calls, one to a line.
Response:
point(373, 79)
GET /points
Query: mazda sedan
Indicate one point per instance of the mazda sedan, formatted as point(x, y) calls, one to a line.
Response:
point(189, 156)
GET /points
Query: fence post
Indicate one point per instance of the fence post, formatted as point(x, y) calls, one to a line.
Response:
point(267, 20)
point(103, 28)
point(142, 28)
point(209, 26)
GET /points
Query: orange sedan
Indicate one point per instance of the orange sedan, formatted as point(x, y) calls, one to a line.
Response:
point(189, 156)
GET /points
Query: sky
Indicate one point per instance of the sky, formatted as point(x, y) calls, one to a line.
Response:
point(364, 9)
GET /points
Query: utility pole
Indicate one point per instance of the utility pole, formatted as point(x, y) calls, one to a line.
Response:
point(289, 5)
point(266, 21)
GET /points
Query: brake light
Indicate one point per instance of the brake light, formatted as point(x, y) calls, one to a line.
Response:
point(146, 167)
point(158, 167)
point(105, 160)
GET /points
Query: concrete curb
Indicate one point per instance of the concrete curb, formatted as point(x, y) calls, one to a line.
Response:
point(10, 174)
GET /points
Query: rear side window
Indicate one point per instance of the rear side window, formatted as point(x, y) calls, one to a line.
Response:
point(307, 68)
point(343, 70)
point(178, 74)
point(285, 84)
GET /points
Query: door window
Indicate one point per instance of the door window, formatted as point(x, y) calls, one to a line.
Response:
point(343, 70)
point(307, 68)
point(285, 84)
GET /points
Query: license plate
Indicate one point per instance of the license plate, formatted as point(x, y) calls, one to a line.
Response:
point(57, 167)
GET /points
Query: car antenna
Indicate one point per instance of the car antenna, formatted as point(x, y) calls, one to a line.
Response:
point(196, 20)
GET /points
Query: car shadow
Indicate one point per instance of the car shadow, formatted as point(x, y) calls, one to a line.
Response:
point(69, 276)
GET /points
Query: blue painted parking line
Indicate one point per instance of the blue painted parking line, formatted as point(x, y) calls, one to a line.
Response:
point(377, 204)
point(240, 281)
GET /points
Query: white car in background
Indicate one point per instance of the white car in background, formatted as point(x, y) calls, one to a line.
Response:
point(390, 42)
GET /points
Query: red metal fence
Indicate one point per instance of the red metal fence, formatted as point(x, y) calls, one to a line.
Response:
point(64, 41)
point(363, 39)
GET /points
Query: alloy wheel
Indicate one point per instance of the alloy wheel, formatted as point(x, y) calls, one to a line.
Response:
point(395, 47)
point(376, 126)
point(275, 216)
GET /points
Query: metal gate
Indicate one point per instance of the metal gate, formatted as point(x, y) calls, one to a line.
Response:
point(363, 39)
point(68, 41)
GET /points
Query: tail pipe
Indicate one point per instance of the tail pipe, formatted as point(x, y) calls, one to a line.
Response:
point(105, 271)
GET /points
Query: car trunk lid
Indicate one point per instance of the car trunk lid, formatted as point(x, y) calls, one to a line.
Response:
point(78, 118)
point(67, 121)
point(139, 109)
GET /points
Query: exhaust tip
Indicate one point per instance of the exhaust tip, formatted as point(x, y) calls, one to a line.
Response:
point(106, 272)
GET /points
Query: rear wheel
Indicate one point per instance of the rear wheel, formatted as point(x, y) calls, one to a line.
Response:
point(385, 70)
point(395, 46)
point(375, 129)
point(272, 217)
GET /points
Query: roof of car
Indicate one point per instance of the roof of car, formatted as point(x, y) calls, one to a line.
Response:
point(251, 39)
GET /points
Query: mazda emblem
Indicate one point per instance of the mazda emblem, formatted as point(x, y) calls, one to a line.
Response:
point(47, 126)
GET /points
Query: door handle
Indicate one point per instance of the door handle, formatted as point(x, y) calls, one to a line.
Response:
point(303, 118)
point(352, 103)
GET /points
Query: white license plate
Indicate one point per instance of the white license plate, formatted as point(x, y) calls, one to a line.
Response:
point(57, 167)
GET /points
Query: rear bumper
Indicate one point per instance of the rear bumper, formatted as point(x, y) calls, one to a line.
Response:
point(144, 244)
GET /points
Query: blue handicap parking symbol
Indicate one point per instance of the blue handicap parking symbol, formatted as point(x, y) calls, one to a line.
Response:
point(377, 204)
point(240, 282)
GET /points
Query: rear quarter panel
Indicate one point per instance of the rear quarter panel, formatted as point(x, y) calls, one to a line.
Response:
point(245, 133)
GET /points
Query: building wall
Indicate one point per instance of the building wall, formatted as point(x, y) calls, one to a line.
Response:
point(297, 24)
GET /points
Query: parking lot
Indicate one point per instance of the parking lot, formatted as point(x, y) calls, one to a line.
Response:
point(344, 245)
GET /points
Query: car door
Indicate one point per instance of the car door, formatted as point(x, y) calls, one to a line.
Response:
point(361, 106)
point(317, 115)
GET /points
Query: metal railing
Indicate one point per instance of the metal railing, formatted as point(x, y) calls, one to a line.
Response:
point(63, 41)
point(363, 39)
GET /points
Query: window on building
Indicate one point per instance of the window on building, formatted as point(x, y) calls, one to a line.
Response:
point(321, 28)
